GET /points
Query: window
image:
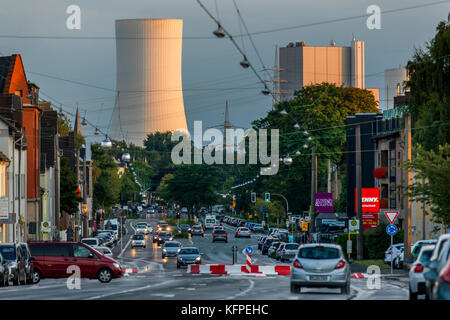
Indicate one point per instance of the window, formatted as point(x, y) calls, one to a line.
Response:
point(81, 252)
point(319, 253)
point(57, 250)
point(384, 158)
point(8, 252)
point(37, 250)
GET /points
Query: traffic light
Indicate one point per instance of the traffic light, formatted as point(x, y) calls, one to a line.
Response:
point(78, 192)
point(178, 215)
point(234, 201)
point(253, 197)
point(267, 197)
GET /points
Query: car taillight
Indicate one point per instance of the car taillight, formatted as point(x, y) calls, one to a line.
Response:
point(297, 264)
point(239, 231)
point(418, 268)
point(390, 252)
point(214, 235)
point(284, 251)
point(224, 234)
point(446, 276)
point(340, 264)
point(201, 230)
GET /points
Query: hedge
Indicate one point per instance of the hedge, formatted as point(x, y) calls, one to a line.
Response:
point(375, 242)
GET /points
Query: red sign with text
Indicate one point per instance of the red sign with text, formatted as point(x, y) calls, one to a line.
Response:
point(370, 220)
point(370, 200)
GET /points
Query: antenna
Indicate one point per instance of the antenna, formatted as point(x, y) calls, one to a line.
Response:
point(277, 92)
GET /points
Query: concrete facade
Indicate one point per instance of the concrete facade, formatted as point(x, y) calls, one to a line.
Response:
point(303, 65)
point(150, 96)
point(393, 85)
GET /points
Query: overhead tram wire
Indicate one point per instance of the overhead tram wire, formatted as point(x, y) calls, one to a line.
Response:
point(234, 43)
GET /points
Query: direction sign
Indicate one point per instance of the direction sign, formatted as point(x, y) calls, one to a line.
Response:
point(391, 229)
point(248, 250)
point(391, 216)
point(353, 225)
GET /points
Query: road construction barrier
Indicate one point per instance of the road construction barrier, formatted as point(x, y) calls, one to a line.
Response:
point(238, 269)
point(358, 276)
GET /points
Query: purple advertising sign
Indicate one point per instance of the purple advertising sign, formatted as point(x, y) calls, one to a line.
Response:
point(324, 202)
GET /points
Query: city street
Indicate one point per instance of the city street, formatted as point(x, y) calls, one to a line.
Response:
point(159, 278)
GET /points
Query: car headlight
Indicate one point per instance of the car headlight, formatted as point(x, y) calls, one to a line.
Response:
point(164, 250)
point(197, 259)
point(178, 250)
point(116, 265)
point(171, 238)
point(180, 258)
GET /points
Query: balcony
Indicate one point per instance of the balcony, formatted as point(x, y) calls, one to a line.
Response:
point(380, 173)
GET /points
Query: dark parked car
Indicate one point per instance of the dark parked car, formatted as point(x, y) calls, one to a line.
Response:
point(53, 259)
point(267, 243)
point(4, 272)
point(28, 262)
point(13, 253)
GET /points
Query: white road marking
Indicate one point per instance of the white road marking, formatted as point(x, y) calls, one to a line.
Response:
point(130, 290)
point(163, 295)
point(252, 284)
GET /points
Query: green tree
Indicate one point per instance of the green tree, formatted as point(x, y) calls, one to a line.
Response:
point(159, 141)
point(68, 188)
point(64, 127)
point(107, 183)
point(432, 180)
point(193, 185)
point(316, 116)
point(129, 187)
point(429, 83)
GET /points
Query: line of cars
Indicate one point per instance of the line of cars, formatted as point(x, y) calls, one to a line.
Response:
point(238, 222)
point(429, 273)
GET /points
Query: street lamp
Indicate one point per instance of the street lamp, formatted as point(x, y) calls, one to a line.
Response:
point(287, 160)
point(219, 33)
point(244, 63)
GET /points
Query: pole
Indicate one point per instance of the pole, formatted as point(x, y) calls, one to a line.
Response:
point(313, 187)
point(392, 250)
point(359, 244)
point(329, 176)
point(85, 219)
point(349, 254)
point(57, 191)
point(406, 202)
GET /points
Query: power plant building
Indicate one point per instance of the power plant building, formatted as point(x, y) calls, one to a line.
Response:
point(149, 85)
point(302, 65)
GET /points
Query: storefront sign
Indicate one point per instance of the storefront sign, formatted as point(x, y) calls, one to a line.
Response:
point(370, 200)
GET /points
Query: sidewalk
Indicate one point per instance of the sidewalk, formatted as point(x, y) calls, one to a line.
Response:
point(397, 274)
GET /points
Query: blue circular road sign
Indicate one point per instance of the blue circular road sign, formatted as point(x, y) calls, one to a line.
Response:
point(391, 229)
point(248, 250)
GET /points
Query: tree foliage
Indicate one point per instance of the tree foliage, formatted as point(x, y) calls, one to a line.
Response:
point(429, 83)
point(431, 183)
point(319, 113)
point(107, 183)
point(68, 188)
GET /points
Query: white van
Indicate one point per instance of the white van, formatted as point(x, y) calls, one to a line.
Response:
point(210, 222)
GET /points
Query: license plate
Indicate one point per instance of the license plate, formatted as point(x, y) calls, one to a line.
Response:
point(318, 278)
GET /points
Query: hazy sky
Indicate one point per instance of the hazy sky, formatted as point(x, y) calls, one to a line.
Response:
point(207, 63)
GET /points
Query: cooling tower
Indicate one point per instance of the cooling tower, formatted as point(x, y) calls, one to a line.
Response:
point(149, 90)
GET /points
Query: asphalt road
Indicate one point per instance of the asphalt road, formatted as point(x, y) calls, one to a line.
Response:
point(159, 278)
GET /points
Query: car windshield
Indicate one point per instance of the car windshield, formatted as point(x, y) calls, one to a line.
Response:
point(138, 237)
point(90, 241)
point(291, 246)
point(8, 253)
point(164, 233)
point(220, 231)
point(189, 251)
point(172, 244)
point(244, 229)
point(142, 226)
point(319, 253)
point(210, 220)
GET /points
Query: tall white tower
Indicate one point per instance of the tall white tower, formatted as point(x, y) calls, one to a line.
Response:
point(149, 86)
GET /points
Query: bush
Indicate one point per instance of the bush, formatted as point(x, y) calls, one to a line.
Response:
point(183, 235)
point(375, 242)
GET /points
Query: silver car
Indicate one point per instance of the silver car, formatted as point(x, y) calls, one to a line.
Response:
point(416, 279)
point(170, 249)
point(242, 232)
point(104, 250)
point(320, 265)
point(287, 251)
point(138, 240)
